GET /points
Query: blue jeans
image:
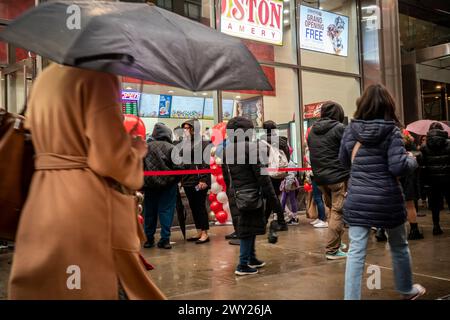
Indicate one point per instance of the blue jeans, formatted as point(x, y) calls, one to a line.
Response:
point(247, 248)
point(159, 202)
point(401, 260)
point(317, 196)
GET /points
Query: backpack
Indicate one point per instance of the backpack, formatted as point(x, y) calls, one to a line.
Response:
point(291, 183)
point(277, 160)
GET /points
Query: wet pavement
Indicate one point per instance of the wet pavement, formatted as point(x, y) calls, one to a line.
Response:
point(296, 266)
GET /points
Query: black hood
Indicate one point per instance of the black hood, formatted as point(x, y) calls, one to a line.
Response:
point(332, 110)
point(436, 139)
point(322, 126)
point(371, 132)
point(162, 133)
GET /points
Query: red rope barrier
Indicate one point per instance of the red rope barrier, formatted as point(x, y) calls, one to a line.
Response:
point(206, 171)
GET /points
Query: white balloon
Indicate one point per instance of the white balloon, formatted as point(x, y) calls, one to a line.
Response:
point(216, 188)
point(222, 197)
point(226, 207)
point(218, 161)
point(213, 179)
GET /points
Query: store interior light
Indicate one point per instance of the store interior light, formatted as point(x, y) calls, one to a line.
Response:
point(286, 11)
point(320, 8)
point(438, 86)
point(238, 97)
point(171, 91)
point(204, 93)
point(128, 88)
point(286, 21)
point(436, 97)
point(195, 93)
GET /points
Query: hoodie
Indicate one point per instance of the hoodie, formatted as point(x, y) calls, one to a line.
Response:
point(374, 196)
point(435, 157)
point(324, 141)
point(159, 158)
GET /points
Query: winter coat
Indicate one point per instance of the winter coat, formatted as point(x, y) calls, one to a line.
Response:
point(374, 195)
point(435, 158)
point(195, 144)
point(245, 175)
point(73, 217)
point(324, 142)
point(159, 158)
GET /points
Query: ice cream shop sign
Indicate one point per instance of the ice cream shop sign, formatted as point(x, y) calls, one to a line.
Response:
point(260, 20)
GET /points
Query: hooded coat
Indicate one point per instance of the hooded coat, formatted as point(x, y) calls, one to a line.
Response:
point(374, 196)
point(246, 174)
point(435, 157)
point(159, 158)
point(324, 141)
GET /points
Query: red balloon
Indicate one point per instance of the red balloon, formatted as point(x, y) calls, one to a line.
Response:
point(218, 133)
point(212, 197)
point(216, 170)
point(220, 180)
point(307, 187)
point(216, 206)
point(134, 125)
point(222, 216)
point(141, 220)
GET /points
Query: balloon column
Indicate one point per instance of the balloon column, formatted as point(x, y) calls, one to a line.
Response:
point(134, 125)
point(218, 198)
point(307, 187)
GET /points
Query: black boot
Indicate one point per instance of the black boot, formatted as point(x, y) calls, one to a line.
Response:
point(381, 235)
point(414, 233)
point(437, 230)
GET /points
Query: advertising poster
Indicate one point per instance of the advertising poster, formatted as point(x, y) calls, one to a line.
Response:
point(258, 20)
point(312, 110)
point(323, 31)
point(149, 105)
point(130, 102)
point(187, 107)
point(164, 106)
point(251, 109)
point(227, 109)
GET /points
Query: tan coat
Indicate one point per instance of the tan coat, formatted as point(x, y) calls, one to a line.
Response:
point(72, 216)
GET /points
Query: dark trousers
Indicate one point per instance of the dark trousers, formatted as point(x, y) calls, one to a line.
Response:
point(436, 196)
point(247, 250)
point(159, 203)
point(268, 211)
point(197, 202)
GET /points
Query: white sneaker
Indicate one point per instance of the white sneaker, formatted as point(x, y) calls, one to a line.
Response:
point(321, 224)
point(315, 221)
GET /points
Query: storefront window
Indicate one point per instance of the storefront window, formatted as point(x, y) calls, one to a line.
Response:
point(319, 87)
point(332, 41)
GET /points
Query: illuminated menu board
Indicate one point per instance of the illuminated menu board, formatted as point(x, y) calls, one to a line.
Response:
point(149, 105)
point(227, 109)
point(130, 101)
point(187, 107)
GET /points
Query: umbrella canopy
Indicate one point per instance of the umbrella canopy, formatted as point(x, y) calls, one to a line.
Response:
point(421, 127)
point(137, 40)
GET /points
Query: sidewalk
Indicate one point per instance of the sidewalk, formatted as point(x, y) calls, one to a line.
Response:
point(296, 266)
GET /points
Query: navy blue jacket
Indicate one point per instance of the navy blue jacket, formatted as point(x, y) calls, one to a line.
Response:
point(375, 197)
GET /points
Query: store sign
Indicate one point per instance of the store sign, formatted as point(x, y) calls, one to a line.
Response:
point(312, 111)
point(130, 95)
point(323, 31)
point(259, 20)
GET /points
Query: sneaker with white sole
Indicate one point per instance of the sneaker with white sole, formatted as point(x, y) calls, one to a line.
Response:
point(293, 222)
point(418, 292)
point(243, 270)
point(337, 255)
point(315, 221)
point(343, 246)
point(321, 224)
point(256, 264)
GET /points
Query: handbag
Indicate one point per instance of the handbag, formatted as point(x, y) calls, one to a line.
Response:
point(16, 170)
point(247, 199)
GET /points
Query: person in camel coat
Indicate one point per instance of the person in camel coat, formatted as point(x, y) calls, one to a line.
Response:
point(78, 237)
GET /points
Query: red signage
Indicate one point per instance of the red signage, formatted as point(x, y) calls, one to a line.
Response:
point(312, 110)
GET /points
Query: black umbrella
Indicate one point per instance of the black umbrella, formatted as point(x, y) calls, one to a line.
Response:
point(181, 213)
point(137, 40)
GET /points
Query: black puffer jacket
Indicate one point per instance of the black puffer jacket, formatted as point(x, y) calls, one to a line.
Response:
point(159, 158)
point(435, 157)
point(245, 175)
point(195, 144)
point(324, 142)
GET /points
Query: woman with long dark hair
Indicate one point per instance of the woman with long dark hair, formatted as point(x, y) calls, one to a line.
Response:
point(372, 147)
